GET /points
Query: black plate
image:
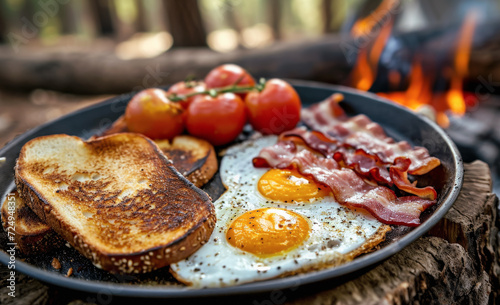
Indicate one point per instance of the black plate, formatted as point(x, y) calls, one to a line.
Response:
point(398, 122)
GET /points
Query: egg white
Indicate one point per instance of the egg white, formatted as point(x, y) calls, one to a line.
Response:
point(335, 230)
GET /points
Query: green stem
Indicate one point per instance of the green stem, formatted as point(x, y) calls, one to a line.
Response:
point(215, 91)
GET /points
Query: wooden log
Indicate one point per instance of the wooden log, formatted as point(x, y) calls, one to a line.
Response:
point(475, 226)
point(105, 73)
point(322, 59)
point(429, 270)
point(456, 263)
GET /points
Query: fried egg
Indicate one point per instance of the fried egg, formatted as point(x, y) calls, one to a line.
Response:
point(273, 222)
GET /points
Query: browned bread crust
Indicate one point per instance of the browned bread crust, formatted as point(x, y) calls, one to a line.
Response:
point(193, 157)
point(32, 235)
point(116, 199)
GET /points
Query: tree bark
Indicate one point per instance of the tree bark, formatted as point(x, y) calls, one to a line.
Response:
point(101, 11)
point(274, 7)
point(185, 23)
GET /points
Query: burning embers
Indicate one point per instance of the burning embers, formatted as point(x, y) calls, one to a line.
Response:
point(420, 82)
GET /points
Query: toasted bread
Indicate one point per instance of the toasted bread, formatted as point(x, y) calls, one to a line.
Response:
point(116, 199)
point(193, 157)
point(32, 235)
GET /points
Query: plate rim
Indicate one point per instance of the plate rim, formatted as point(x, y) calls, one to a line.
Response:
point(163, 291)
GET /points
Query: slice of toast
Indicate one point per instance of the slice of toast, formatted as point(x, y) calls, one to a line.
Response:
point(193, 157)
point(32, 235)
point(116, 199)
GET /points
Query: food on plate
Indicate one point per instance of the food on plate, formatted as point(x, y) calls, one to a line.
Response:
point(218, 120)
point(296, 199)
point(229, 75)
point(361, 133)
point(194, 158)
point(56, 264)
point(152, 114)
point(117, 200)
point(358, 162)
point(216, 109)
point(274, 109)
point(265, 232)
point(187, 88)
point(32, 235)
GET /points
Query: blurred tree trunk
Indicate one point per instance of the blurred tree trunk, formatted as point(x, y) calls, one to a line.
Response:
point(68, 19)
point(275, 17)
point(3, 26)
point(185, 23)
point(101, 11)
point(141, 23)
point(327, 16)
point(231, 18)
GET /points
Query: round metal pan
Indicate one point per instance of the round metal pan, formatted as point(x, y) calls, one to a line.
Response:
point(400, 123)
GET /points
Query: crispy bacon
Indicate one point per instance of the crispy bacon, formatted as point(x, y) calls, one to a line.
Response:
point(359, 132)
point(357, 160)
point(369, 166)
point(399, 176)
point(347, 187)
point(313, 139)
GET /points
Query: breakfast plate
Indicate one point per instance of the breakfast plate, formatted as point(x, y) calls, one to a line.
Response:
point(399, 123)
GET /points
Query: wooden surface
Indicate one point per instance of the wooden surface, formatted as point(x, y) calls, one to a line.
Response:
point(457, 262)
point(329, 59)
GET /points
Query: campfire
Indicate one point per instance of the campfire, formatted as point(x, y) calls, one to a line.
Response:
point(420, 82)
point(437, 85)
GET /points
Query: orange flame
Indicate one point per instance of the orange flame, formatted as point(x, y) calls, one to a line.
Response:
point(454, 96)
point(364, 26)
point(364, 73)
point(419, 91)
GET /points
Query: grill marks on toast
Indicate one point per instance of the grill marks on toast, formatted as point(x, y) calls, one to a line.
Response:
point(117, 199)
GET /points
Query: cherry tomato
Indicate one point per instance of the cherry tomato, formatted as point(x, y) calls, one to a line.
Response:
point(152, 114)
point(275, 109)
point(228, 75)
point(218, 120)
point(184, 88)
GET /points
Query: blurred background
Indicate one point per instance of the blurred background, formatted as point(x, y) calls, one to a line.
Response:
point(438, 57)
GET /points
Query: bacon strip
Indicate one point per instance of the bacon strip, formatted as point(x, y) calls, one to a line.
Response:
point(348, 188)
point(359, 132)
point(400, 178)
point(369, 166)
point(313, 139)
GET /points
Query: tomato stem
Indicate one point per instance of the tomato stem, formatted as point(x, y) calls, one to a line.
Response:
point(215, 91)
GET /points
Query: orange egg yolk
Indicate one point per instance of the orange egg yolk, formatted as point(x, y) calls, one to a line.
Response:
point(289, 186)
point(268, 231)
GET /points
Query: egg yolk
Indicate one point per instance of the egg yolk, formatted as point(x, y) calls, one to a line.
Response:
point(289, 186)
point(268, 231)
